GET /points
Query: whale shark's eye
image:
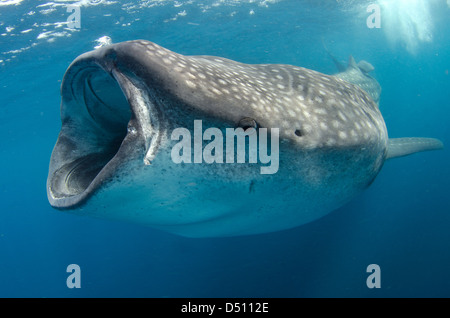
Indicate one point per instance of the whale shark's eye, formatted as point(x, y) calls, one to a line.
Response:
point(298, 133)
point(247, 122)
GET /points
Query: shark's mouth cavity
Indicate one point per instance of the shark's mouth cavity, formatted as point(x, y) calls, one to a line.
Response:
point(95, 115)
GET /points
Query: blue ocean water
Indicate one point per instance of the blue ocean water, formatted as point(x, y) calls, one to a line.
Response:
point(400, 223)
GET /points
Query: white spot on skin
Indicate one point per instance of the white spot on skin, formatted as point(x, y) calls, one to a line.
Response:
point(318, 99)
point(331, 102)
point(335, 124)
point(320, 111)
point(342, 135)
point(190, 84)
point(216, 91)
point(342, 116)
point(303, 106)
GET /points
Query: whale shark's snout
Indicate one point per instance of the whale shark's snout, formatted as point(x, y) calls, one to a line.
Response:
point(121, 104)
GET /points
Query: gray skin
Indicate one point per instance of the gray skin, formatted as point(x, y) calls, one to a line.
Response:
point(120, 104)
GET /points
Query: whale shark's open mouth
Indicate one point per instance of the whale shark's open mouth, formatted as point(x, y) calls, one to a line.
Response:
point(95, 115)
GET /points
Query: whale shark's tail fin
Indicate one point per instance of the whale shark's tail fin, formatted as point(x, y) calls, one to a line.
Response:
point(399, 147)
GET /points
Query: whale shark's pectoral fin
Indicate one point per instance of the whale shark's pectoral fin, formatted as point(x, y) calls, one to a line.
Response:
point(399, 147)
point(340, 66)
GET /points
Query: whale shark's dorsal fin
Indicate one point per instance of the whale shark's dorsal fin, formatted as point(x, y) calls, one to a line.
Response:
point(352, 62)
point(399, 147)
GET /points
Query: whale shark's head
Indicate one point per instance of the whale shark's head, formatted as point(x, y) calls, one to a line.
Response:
point(122, 103)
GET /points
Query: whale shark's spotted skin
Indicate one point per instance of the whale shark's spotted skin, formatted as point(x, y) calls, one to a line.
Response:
point(121, 102)
point(330, 111)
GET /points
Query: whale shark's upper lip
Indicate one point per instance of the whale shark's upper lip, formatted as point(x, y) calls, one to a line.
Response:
point(107, 118)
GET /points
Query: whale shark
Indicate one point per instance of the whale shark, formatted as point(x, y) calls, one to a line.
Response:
point(121, 104)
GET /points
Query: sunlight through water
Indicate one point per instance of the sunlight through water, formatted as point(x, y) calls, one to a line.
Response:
point(407, 22)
